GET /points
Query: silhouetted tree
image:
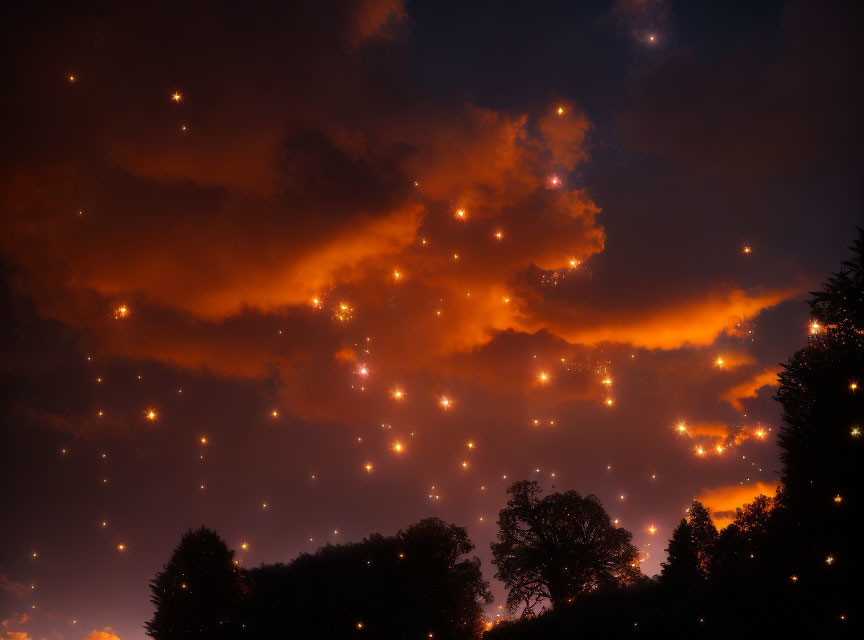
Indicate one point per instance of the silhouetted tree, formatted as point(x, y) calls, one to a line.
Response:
point(822, 394)
point(389, 587)
point(198, 592)
point(739, 558)
point(681, 568)
point(704, 534)
point(821, 402)
point(559, 547)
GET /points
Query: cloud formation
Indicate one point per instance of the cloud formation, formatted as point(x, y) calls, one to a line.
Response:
point(104, 634)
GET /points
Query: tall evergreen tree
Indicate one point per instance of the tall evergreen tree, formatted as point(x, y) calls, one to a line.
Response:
point(704, 534)
point(822, 394)
point(681, 568)
point(198, 592)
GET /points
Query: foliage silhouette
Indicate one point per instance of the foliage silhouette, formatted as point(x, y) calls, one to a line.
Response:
point(681, 569)
point(389, 587)
point(559, 547)
point(198, 592)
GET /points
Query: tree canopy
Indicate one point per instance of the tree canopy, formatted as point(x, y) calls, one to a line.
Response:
point(559, 547)
point(198, 592)
point(407, 585)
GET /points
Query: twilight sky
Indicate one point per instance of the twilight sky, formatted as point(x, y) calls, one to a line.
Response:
point(306, 271)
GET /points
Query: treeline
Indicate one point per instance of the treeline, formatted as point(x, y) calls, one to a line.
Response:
point(789, 564)
point(410, 585)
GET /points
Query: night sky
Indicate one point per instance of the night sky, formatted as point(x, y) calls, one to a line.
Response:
point(302, 272)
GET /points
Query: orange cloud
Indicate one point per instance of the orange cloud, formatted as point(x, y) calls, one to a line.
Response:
point(105, 634)
point(724, 500)
point(750, 387)
point(687, 322)
point(709, 429)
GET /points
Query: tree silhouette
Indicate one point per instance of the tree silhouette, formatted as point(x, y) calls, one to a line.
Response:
point(681, 568)
point(822, 394)
point(198, 592)
point(704, 534)
point(387, 587)
point(559, 547)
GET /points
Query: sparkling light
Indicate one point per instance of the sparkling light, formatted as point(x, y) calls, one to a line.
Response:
point(151, 414)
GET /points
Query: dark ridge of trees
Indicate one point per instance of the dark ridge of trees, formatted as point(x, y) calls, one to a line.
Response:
point(389, 587)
